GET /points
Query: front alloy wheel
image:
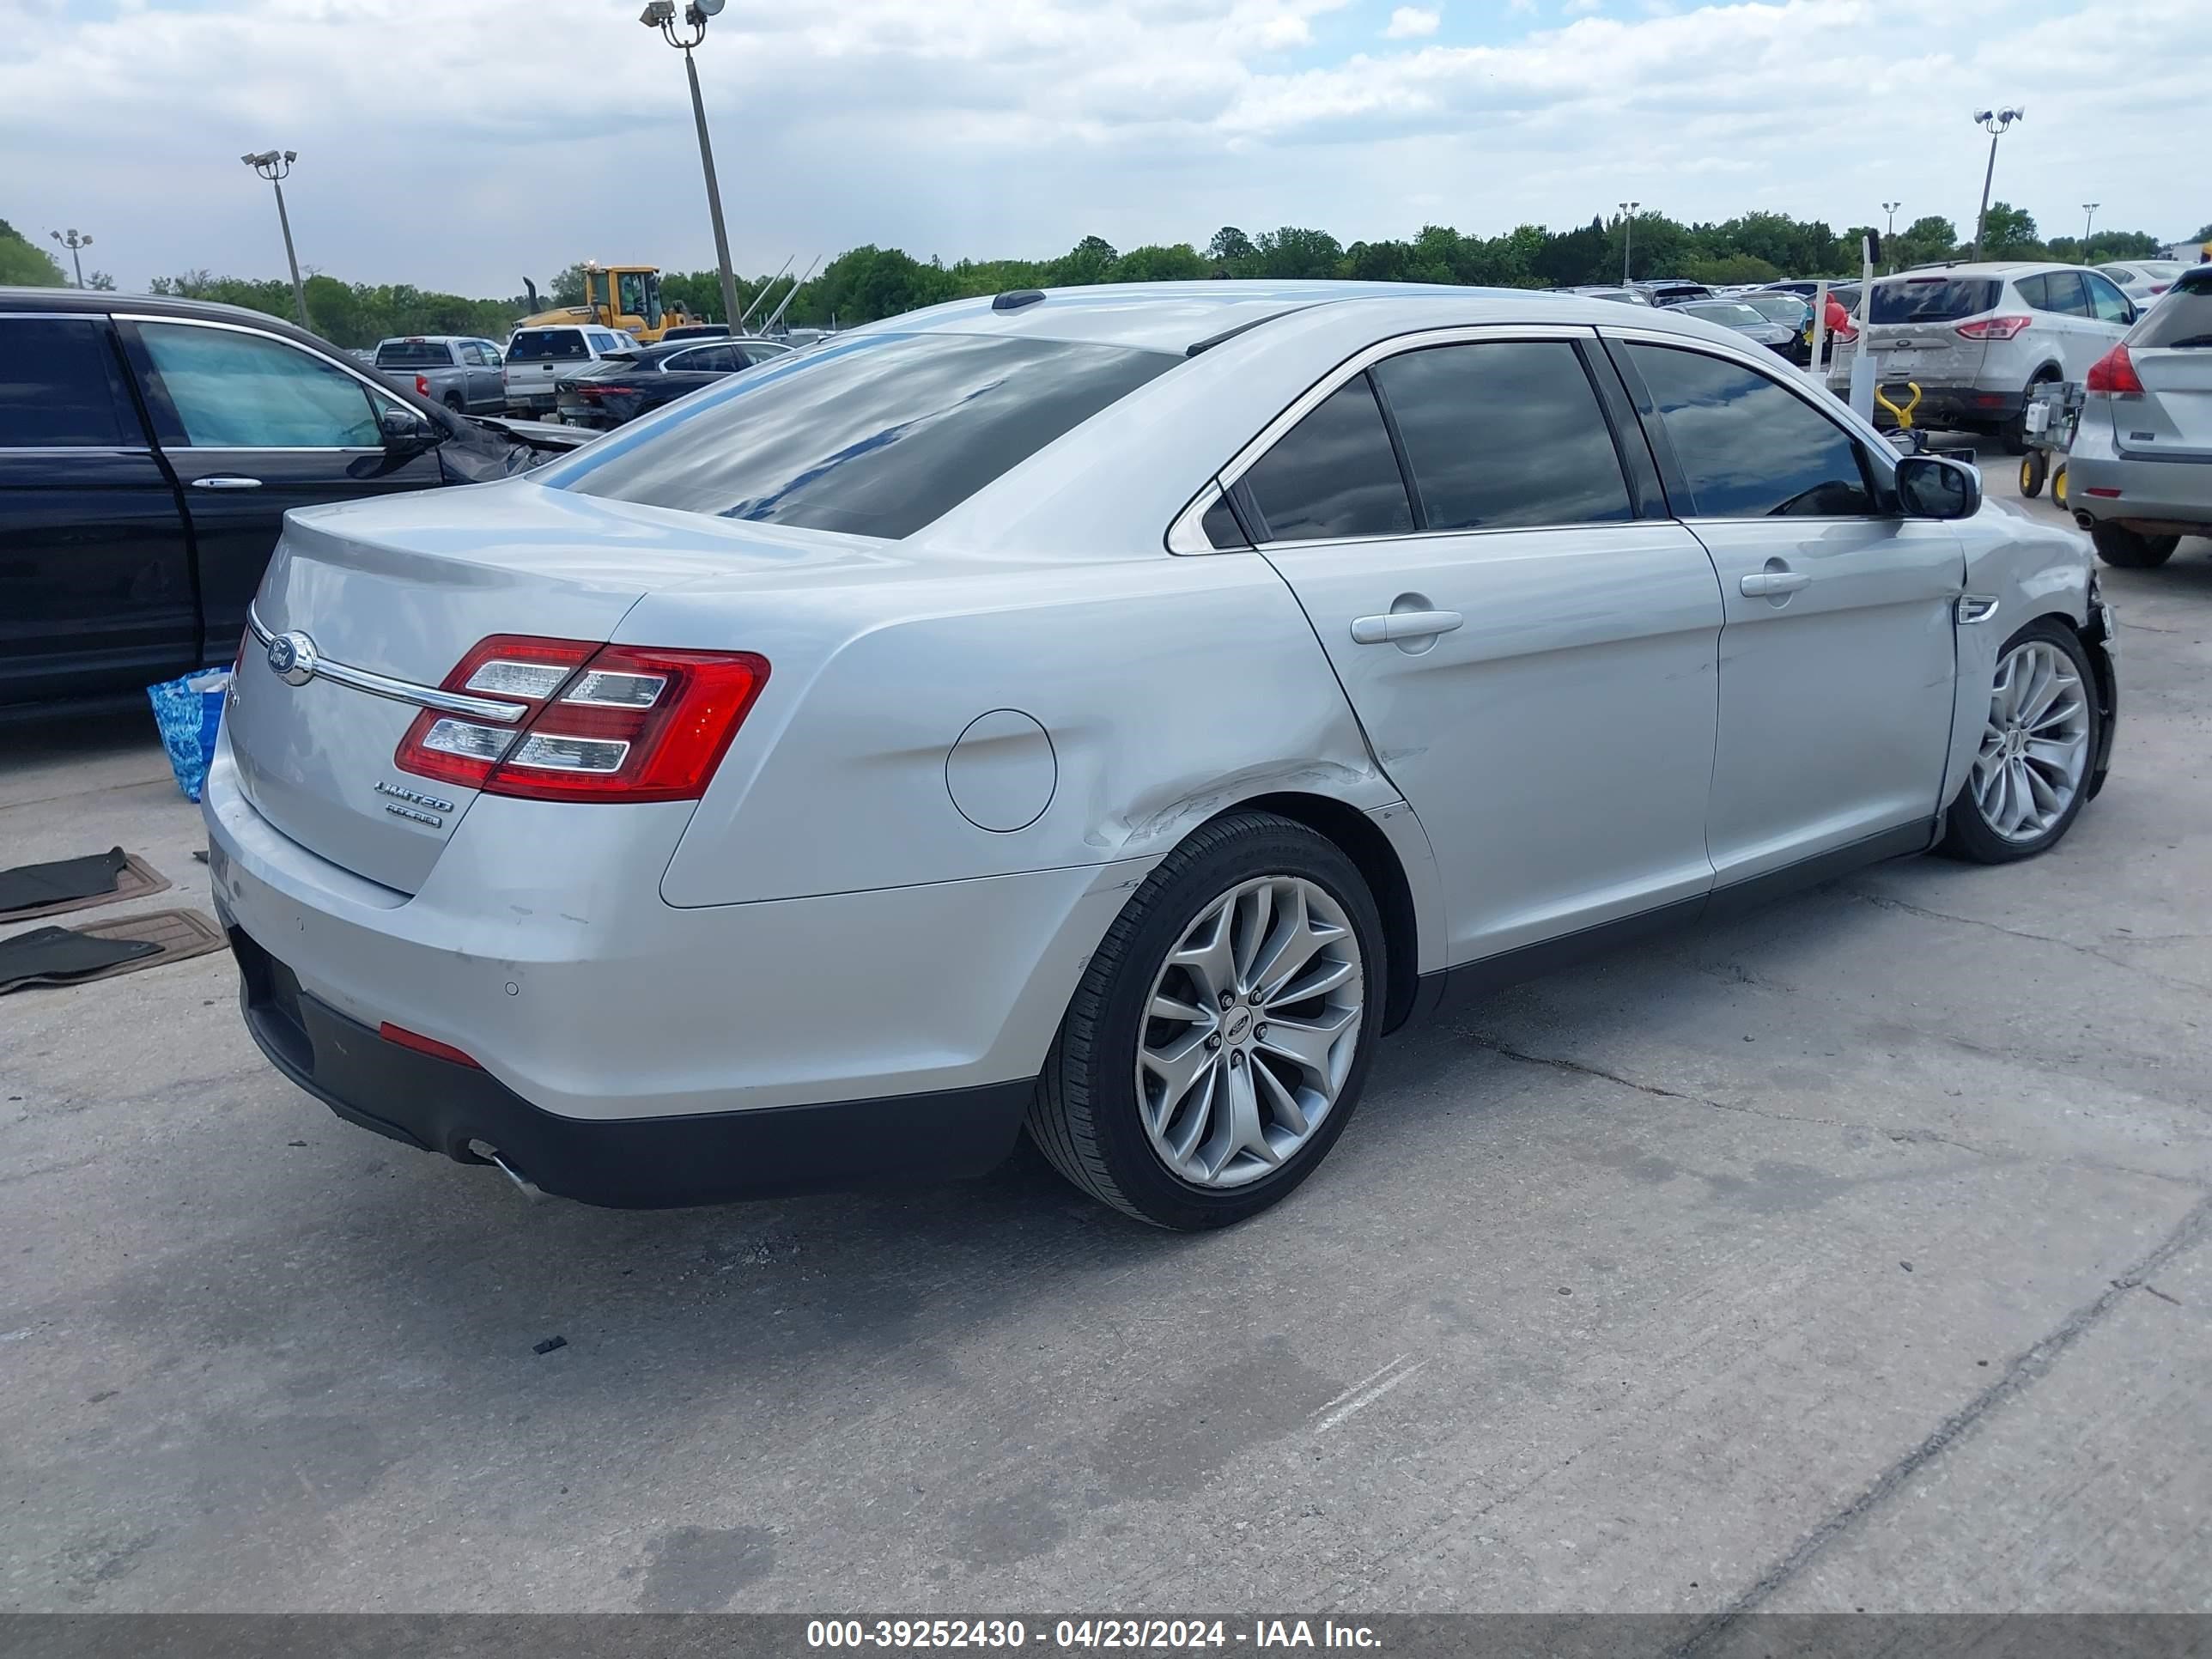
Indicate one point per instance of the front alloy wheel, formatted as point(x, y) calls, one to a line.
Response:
point(2037, 745)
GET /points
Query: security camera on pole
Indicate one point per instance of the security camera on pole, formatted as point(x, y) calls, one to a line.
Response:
point(661, 14)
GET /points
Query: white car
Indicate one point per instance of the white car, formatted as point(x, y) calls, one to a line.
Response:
point(2144, 280)
point(1108, 711)
point(1976, 340)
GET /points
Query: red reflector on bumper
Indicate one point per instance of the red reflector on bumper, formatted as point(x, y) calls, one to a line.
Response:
point(2108, 495)
point(422, 1045)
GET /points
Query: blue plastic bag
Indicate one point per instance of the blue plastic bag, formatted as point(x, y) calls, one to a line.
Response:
point(189, 711)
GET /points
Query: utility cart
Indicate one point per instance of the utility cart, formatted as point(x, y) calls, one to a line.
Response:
point(2049, 423)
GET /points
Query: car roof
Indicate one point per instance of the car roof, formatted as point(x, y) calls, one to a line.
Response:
point(1175, 316)
point(1989, 268)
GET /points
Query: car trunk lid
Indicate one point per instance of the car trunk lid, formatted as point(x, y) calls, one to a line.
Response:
point(401, 590)
point(2171, 351)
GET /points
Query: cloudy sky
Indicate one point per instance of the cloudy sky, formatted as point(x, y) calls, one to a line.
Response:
point(463, 144)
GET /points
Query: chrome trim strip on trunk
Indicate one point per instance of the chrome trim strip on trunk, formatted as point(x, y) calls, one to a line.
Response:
point(382, 685)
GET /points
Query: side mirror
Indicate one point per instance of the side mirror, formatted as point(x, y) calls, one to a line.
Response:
point(1937, 487)
point(407, 431)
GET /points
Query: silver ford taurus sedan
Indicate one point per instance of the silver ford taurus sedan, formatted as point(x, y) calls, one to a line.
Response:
point(1107, 712)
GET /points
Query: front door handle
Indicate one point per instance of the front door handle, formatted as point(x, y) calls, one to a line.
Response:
point(225, 480)
point(1773, 584)
point(1400, 625)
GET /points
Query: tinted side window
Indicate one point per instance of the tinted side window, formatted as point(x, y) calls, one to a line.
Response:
point(2036, 291)
point(1504, 434)
point(2110, 305)
point(1333, 474)
point(236, 390)
point(2061, 292)
point(59, 385)
point(1747, 447)
point(708, 359)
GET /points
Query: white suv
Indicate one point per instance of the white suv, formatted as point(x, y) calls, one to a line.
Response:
point(1978, 339)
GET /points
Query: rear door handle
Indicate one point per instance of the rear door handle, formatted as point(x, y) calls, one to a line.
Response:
point(1768, 584)
point(1403, 625)
point(227, 481)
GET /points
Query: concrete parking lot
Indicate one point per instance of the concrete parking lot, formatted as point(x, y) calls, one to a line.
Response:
point(1858, 1255)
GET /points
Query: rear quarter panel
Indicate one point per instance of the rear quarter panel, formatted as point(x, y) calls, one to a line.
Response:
point(1169, 688)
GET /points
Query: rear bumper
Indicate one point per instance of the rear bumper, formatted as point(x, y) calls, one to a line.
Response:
point(439, 1105)
point(733, 1050)
point(2156, 495)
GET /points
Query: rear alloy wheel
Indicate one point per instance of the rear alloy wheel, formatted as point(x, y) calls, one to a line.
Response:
point(2030, 779)
point(1221, 1034)
point(2119, 545)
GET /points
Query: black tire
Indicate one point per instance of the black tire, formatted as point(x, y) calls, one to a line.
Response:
point(2117, 545)
point(454, 402)
point(1084, 1116)
point(2034, 467)
point(1967, 834)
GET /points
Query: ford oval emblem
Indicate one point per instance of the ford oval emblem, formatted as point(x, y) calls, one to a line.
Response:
point(292, 658)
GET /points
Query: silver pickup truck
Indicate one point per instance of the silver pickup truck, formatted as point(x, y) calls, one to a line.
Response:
point(466, 375)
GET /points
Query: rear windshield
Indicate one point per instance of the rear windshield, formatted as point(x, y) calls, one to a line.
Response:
point(1786, 309)
point(1723, 311)
point(1933, 299)
point(539, 345)
point(413, 353)
point(876, 436)
point(2183, 319)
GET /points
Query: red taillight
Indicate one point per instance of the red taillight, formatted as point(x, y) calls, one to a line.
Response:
point(2113, 372)
point(612, 722)
point(1994, 328)
point(422, 386)
point(2160, 288)
point(422, 1045)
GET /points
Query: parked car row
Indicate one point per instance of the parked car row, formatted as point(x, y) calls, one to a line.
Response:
point(150, 449)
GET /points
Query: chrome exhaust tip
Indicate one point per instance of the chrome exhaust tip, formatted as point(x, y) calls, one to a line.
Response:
point(529, 1189)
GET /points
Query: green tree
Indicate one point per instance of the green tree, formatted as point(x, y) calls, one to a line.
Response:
point(99, 282)
point(1090, 260)
point(567, 288)
point(2009, 233)
point(1231, 249)
point(1927, 241)
point(1294, 254)
point(24, 264)
point(1177, 262)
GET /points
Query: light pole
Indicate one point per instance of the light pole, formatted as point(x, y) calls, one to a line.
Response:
point(1627, 236)
point(1889, 210)
point(73, 242)
point(276, 166)
point(2088, 218)
point(661, 14)
point(1997, 123)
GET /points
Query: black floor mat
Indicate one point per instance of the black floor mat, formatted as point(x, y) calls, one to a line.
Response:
point(55, 955)
point(34, 886)
point(154, 937)
point(47, 890)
